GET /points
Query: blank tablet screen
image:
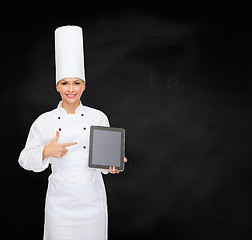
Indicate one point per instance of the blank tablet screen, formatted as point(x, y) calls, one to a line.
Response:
point(106, 147)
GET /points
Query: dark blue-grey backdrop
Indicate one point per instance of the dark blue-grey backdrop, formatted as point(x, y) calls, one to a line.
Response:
point(177, 80)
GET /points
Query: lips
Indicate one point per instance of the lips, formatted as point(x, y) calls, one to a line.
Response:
point(71, 95)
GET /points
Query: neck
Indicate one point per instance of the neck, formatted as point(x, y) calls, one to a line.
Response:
point(70, 107)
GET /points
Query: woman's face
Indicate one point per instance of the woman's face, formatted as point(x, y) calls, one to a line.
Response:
point(70, 89)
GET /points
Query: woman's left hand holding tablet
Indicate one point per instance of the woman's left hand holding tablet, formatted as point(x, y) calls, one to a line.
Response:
point(113, 170)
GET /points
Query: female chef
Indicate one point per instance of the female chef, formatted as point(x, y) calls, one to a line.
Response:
point(76, 205)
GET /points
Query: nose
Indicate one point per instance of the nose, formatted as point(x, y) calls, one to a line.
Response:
point(70, 88)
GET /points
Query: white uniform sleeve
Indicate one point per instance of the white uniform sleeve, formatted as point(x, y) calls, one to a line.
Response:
point(31, 156)
point(105, 121)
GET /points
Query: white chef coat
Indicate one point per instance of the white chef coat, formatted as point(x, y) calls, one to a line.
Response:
point(76, 205)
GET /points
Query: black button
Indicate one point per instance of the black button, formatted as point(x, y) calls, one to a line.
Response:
point(84, 128)
point(59, 129)
point(58, 117)
point(82, 114)
point(84, 147)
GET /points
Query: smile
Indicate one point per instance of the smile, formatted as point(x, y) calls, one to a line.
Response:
point(71, 95)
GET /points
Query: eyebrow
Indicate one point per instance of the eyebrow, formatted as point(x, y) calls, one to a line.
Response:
point(78, 80)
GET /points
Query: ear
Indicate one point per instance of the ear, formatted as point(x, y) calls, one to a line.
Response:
point(57, 88)
point(83, 87)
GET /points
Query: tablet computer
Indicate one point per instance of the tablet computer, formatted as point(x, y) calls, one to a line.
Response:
point(106, 147)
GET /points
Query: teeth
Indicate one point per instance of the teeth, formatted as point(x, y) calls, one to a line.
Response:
point(70, 95)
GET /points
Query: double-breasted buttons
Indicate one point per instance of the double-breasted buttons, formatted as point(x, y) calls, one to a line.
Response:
point(59, 128)
point(84, 128)
point(84, 147)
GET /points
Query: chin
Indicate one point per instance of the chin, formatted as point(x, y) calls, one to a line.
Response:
point(71, 101)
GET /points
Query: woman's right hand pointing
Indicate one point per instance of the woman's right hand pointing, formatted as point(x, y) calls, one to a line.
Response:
point(56, 149)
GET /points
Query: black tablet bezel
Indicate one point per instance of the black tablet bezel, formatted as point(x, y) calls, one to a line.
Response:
point(122, 131)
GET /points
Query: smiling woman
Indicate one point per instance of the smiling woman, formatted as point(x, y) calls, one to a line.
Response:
point(76, 205)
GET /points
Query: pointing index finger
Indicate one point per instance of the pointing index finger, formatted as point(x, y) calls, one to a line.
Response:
point(68, 144)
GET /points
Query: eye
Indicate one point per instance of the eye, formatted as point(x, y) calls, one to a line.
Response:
point(77, 83)
point(64, 83)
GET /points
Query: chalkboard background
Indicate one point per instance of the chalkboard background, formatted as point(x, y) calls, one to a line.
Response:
point(177, 79)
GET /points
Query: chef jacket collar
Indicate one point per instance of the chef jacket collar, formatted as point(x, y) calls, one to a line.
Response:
point(62, 110)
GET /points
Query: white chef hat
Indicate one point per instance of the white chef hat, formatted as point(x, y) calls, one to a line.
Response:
point(69, 53)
